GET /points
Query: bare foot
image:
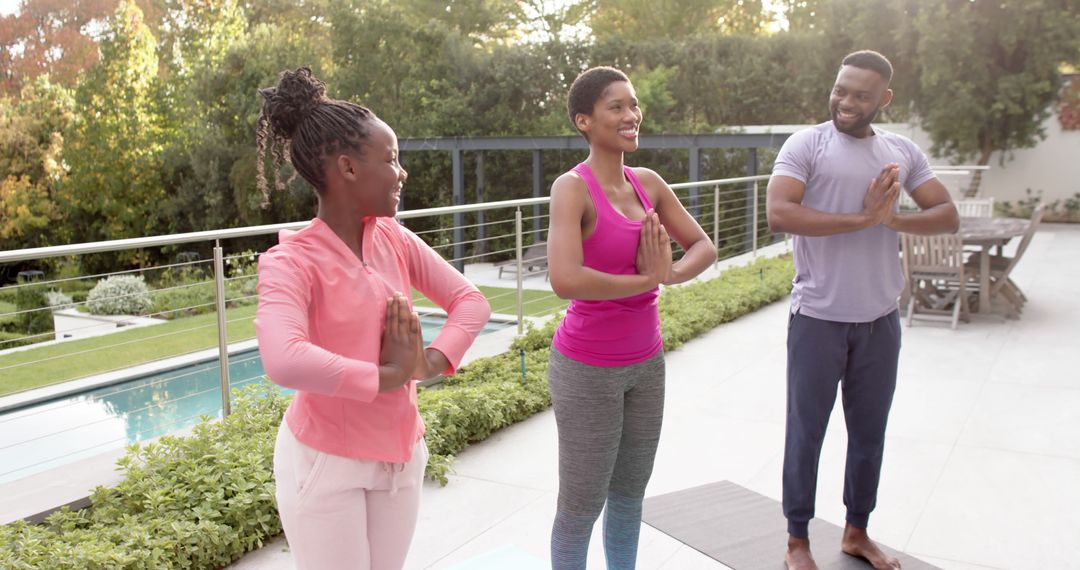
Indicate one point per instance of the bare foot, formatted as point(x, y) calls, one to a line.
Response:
point(857, 543)
point(798, 555)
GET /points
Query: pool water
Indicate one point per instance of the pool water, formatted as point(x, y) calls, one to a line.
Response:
point(57, 432)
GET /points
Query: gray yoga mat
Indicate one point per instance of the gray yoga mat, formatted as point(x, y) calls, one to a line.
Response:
point(746, 530)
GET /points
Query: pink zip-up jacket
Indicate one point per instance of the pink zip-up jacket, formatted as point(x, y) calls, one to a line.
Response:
point(320, 322)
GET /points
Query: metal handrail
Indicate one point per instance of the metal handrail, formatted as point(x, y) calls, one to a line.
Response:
point(209, 235)
point(218, 235)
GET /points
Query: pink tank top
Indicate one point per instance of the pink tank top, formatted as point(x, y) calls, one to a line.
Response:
point(614, 332)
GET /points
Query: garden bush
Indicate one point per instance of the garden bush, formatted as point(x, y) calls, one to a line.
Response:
point(119, 295)
point(197, 501)
point(58, 300)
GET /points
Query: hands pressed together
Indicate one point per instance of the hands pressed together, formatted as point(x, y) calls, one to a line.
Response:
point(402, 355)
point(654, 249)
point(880, 200)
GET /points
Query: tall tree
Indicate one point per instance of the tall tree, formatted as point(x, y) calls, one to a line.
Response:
point(114, 188)
point(32, 130)
point(989, 73)
point(553, 21)
point(481, 20)
point(52, 37)
point(676, 19)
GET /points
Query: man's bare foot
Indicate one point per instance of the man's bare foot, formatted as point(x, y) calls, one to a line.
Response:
point(857, 543)
point(798, 555)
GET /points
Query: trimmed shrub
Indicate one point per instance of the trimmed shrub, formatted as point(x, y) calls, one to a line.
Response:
point(119, 295)
point(199, 501)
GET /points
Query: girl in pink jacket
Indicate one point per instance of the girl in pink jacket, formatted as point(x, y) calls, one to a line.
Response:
point(334, 323)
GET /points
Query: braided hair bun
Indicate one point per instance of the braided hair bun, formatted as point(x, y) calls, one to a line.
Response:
point(297, 94)
point(300, 125)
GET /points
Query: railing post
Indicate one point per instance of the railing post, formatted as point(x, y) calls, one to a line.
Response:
point(755, 236)
point(716, 223)
point(520, 269)
point(456, 161)
point(538, 190)
point(223, 336)
point(695, 175)
point(751, 210)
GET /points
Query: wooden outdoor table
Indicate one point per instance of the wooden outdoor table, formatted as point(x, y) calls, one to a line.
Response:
point(987, 233)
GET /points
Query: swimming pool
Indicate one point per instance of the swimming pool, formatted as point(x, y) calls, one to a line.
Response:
point(49, 434)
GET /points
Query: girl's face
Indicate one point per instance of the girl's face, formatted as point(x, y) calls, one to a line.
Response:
point(379, 177)
point(615, 118)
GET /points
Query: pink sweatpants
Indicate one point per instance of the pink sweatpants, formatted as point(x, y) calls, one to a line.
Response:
point(344, 513)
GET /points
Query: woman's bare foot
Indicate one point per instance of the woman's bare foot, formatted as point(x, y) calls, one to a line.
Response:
point(857, 543)
point(798, 555)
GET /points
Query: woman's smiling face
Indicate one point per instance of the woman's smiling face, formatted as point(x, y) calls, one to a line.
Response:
point(615, 118)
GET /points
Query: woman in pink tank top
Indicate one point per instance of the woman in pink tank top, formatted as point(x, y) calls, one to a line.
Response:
point(609, 250)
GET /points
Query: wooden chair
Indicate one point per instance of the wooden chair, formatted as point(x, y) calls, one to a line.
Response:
point(936, 278)
point(975, 208)
point(534, 260)
point(1002, 266)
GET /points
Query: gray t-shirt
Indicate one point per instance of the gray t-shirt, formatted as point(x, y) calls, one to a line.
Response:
point(851, 277)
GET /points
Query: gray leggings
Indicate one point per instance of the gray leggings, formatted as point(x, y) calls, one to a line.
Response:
point(609, 425)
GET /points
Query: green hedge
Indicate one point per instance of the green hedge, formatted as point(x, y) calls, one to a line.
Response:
point(202, 501)
point(199, 501)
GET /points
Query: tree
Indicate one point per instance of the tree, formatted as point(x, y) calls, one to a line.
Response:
point(480, 20)
point(989, 72)
point(32, 132)
point(676, 19)
point(114, 188)
point(197, 33)
point(553, 21)
point(26, 213)
point(47, 37)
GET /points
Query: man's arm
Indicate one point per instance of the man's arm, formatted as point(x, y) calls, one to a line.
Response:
point(936, 215)
point(785, 212)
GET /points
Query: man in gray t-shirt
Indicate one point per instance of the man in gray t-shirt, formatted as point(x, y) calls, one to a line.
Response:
point(835, 187)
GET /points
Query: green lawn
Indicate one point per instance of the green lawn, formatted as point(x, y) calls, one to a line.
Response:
point(6, 309)
point(78, 358)
point(537, 303)
point(57, 363)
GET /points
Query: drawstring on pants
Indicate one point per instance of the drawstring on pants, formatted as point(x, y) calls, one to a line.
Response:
point(394, 469)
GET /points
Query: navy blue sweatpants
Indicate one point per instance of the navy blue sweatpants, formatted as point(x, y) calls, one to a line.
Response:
point(861, 358)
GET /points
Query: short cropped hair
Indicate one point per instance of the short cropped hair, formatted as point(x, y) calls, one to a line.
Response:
point(872, 60)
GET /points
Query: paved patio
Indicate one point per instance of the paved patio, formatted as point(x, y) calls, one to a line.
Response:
point(982, 458)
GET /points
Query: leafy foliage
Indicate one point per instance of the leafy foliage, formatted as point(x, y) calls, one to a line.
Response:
point(114, 189)
point(198, 501)
point(135, 117)
point(34, 315)
point(989, 72)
